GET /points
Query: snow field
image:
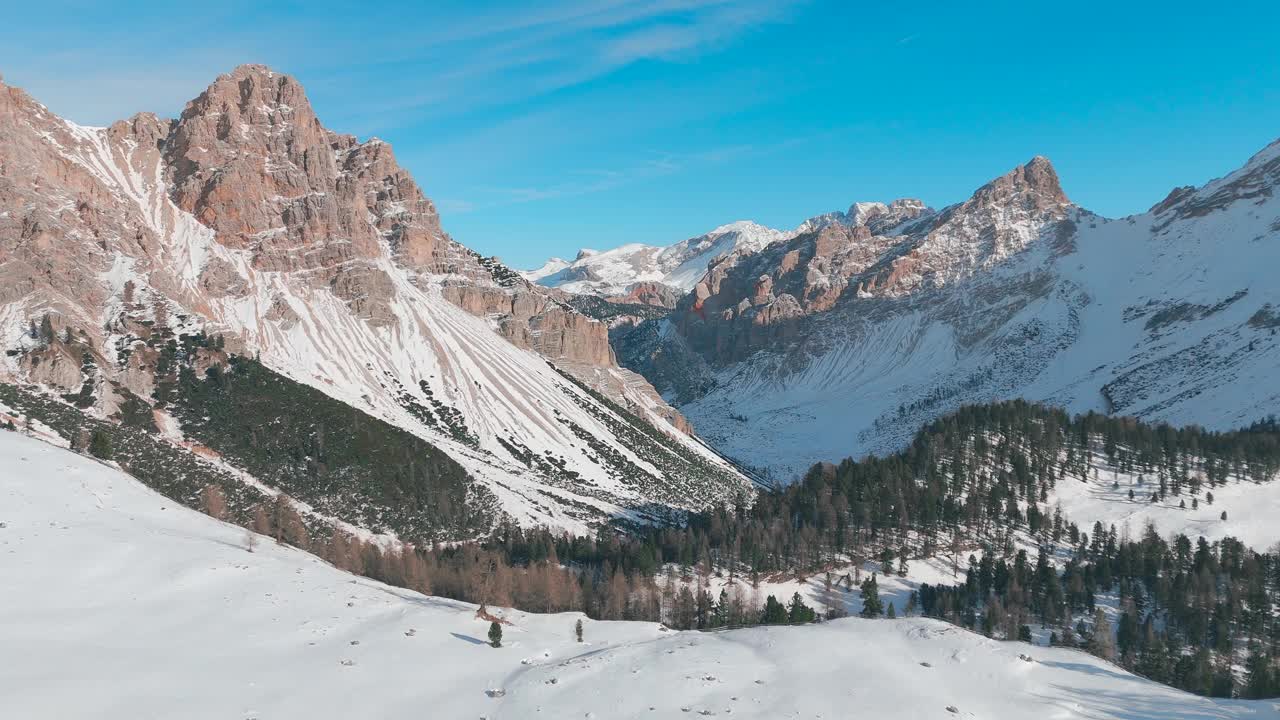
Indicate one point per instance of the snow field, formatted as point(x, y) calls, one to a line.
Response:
point(120, 604)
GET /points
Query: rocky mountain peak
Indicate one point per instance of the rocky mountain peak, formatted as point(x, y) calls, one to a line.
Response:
point(1034, 184)
point(250, 159)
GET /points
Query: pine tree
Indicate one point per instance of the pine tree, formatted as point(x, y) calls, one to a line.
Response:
point(1100, 642)
point(799, 613)
point(871, 607)
point(100, 445)
point(46, 330)
point(1260, 681)
point(774, 612)
point(892, 613)
point(495, 634)
point(577, 630)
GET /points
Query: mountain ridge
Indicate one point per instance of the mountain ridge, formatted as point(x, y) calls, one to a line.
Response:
point(839, 342)
point(316, 253)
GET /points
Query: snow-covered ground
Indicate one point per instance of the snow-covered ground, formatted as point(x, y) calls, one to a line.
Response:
point(1250, 507)
point(120, 604)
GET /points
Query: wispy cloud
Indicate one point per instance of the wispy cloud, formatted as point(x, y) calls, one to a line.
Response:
point(519, 59)
point(590, 181)
point(392, 66)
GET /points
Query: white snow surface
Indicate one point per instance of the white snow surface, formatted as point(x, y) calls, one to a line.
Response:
point(121, 604)
point(1249, 505)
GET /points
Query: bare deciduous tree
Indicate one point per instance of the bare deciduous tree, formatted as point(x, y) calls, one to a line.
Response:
point(213, 501)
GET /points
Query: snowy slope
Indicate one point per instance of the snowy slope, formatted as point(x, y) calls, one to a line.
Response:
point(1170, 315)
point(1104, 497)
point(121, 604)
point(681, 266)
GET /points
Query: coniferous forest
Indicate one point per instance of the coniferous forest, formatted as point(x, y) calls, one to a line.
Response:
point(971, 490)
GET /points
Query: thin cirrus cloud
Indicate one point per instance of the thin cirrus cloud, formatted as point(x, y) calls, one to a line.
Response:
point(483, 67)
point(587, 182)
point(428, 62)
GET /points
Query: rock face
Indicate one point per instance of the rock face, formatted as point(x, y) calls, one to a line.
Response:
point(747, 302)
point(245, 217)
point(848, 337)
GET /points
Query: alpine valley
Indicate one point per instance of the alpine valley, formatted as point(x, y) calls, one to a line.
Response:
point(265, 425)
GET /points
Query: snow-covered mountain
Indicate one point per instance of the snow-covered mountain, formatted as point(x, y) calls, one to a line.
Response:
point(113, 591)
point(844, 340)
point(316, 253)
point(615, 272)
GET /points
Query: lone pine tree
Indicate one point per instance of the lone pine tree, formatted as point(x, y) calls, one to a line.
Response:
point(871, 606)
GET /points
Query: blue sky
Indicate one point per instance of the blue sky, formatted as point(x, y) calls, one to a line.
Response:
point(542, 128)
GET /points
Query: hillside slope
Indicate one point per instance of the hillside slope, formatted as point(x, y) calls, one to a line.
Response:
point(122, 604)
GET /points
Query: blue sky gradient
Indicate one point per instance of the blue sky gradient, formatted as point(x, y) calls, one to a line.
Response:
point(542, 128)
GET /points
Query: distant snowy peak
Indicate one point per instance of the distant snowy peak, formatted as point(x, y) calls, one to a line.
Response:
point(691, 257)
point(615, 273)
point(880, 218)
point(550, 267)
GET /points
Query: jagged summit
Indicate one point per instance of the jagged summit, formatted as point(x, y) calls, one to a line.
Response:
point(1036, 181)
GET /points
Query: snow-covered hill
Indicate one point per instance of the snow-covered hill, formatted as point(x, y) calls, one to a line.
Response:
point(122, 604)
point(614, 272)
point(837, 343)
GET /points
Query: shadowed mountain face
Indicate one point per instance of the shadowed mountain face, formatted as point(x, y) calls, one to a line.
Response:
point(845, 338)
point(246, 218)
